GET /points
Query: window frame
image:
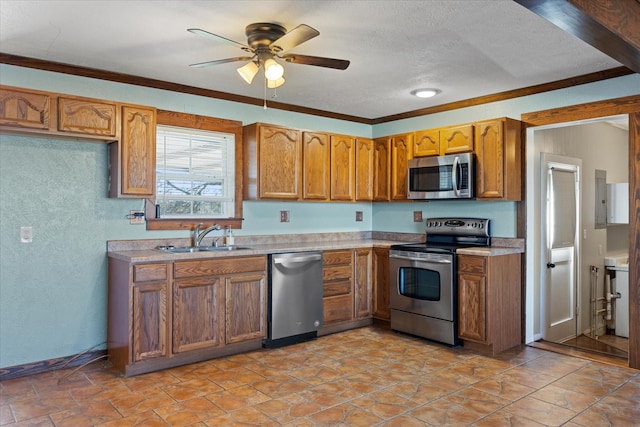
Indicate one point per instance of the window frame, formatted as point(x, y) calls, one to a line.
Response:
point(193, 121)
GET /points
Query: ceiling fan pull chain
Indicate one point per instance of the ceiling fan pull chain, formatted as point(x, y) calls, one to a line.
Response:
point(265, 93)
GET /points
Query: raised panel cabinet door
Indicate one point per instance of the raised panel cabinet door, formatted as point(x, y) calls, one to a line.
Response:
point(381, 283)
point(87, 117)
point(149, 324)
point(498, 160)
point(315, 166)
point(401, 153)
point(246, 307)
point(23, 109)
point(365, 170)
point(138, 151)
point(280, 153)
point(363, 271)
point(382, 169)
point(198, 314)
point(456, 139)
point(343, 166)
point(472, 310)
point(426, 143)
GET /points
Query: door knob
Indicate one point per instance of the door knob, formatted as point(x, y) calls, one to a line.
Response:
point(551, 265)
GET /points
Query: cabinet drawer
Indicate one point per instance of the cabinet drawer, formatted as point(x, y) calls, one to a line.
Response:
point(337, 309)
point(148, 272)
point(340, 287)
point(213, 267)
point(337, 272)
point(472, 264)
point(337, 257)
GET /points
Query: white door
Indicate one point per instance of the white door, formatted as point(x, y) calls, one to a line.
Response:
point(560, 244)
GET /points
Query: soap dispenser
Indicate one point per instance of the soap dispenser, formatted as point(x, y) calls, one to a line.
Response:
point(228, 236)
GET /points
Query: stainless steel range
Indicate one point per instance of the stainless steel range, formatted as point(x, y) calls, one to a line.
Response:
point(423, 278)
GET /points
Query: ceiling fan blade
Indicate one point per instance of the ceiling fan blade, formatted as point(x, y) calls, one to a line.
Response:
point(204, 33)
point(293, 38)
point(221, 61)
point(338, 64)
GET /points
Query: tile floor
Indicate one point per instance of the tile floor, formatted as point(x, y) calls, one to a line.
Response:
point(363, 377)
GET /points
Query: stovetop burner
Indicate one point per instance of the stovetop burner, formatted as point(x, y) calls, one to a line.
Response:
point(445, 235)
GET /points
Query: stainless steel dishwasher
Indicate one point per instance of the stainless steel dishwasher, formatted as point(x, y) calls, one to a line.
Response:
point(295, 297)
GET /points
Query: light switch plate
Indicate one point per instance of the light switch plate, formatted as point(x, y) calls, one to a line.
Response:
point(417, 216)
point(358, 215)
point(284, 216)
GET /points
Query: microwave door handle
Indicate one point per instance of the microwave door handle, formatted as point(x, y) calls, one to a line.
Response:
point(454, 175)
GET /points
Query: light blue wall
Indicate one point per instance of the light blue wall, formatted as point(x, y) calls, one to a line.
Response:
point(53, 291)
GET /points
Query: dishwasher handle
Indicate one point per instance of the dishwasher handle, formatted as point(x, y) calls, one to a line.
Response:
point(297, 259)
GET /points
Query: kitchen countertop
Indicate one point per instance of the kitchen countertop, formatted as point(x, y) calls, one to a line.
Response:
point(137, 251)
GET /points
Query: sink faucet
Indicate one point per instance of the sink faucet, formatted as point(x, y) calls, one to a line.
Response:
point(199, 235)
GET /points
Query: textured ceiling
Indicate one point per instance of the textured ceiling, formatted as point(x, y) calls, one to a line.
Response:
point(467, 48)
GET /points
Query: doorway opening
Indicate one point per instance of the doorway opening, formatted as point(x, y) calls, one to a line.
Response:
point(574, 316)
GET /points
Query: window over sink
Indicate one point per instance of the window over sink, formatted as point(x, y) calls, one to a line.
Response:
point(198, 172)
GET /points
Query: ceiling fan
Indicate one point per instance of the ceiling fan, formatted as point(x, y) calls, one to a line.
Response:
point(266, 42)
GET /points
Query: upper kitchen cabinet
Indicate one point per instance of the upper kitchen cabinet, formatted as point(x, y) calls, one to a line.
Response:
point(365, 170)
point(382, 169)
point(456, 139)
point(272, 156)
point(25, 109)
point(401, 153)
point(498, 152)
point(426, 143)
point(315, 165)
point(87, 116)
point(133, 157)
point(343, 167)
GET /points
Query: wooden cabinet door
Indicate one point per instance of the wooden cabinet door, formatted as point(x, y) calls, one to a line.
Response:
point(365, 170)
point(401, 153)
point(381, 169)
point(280, 156)
point(24, 109)
point(88, 117)
point(343, 166)
point(498, 160)
point(149, 323)
point(381, 283)
point(246, 307)
point(315, 166)
point(426, 143)
point(472, 298)
point(363, 271)
point(137, 158)
point(456, 139)
point(198, 314)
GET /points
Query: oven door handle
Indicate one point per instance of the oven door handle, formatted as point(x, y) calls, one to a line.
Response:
point(432, 261)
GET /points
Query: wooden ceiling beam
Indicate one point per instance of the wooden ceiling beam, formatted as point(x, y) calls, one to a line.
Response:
point(611, 26)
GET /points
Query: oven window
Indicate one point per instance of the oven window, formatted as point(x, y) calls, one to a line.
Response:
point(419, 283)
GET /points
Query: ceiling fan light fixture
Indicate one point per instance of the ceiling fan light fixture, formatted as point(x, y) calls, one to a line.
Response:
point(425, 93)
point(273, 70)
point(248, 71)
point(272, 84)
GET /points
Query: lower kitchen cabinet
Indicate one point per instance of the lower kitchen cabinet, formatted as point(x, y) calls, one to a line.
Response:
point(363, 284)
point(381, 284)
point(337, 281)
point(216, 307)
point(490, 301)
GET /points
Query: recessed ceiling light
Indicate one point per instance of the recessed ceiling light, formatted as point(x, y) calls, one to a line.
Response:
point(425, 93)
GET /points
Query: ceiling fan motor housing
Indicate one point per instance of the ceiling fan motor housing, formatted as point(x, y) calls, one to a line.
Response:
point(262, 34)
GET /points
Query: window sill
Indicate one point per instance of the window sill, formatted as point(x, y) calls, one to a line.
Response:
point(190, 224)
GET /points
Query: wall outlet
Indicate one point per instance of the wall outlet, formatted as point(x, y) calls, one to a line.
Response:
point(358, 215)
point(136, 217)
point(417, 216)
point(26, 234)
point(284, 216)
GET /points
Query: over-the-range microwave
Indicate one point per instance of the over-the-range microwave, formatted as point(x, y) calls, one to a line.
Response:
point(442, 177)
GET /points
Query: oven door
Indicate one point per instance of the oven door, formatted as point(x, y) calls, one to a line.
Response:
point(422, 283)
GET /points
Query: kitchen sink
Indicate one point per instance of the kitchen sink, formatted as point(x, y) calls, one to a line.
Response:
point(194, 249)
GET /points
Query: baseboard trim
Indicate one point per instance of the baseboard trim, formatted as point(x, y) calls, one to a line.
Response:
point(27, 369)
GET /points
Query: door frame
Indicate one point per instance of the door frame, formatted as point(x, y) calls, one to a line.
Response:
point(627, 105)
